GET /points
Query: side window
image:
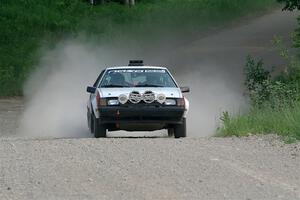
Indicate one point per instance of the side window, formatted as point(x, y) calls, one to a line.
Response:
point(98, 79)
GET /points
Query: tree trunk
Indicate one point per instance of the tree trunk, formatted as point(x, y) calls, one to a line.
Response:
point(129, 2)
point(95, 2)
point(132, 2)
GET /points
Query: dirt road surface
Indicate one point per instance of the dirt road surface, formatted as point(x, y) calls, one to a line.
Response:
point(162, 168)
point(158, 168)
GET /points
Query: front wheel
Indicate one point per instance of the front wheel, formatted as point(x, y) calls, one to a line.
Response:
point(180, 129)
point(99, 128)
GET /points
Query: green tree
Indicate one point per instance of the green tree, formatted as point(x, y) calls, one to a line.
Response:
point(290, 4)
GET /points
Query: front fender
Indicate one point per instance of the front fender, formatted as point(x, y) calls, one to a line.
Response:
point(187, 107)
point(95, 108)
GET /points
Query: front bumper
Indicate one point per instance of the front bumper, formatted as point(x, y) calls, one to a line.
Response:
point(141, 114)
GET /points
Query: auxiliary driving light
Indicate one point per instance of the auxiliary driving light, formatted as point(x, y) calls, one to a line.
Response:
point(161, 98)
point(123, 99)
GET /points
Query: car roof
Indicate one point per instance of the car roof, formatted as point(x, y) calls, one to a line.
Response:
point(134, 67)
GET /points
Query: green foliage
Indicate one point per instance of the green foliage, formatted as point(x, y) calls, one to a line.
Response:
point(26, 25)
point(255, 73)
point(285, 122)
point(275, 100)
point(290, 4)
point(256, 81)
point(293, 5)
point(296, 36)
point(265, 91)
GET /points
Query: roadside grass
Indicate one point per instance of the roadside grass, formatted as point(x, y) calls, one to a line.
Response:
point(28, 25)
point(284, 122)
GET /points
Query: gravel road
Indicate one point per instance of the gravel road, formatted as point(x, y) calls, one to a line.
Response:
point(253, 168)
point(163, 168)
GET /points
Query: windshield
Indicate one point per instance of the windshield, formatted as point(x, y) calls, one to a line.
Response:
point(137, 78)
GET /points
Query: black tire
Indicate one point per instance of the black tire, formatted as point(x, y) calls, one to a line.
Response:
point(170, 132)
point(180, 129)
point(99, 129)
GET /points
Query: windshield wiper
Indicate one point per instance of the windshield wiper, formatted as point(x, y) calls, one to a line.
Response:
point(114, 86)
point(149, 85)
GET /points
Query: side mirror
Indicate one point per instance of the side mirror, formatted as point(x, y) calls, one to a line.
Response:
point(91, 90)
point(185, 89)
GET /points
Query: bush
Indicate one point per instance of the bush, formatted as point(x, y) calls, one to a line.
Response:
point(275, 101)
point(265, 91)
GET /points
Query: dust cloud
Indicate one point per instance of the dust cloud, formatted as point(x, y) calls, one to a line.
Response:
point(56, 99)
point(211, 95)
point(55, 93)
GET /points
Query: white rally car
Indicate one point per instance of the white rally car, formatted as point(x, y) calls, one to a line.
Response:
point(137, 98)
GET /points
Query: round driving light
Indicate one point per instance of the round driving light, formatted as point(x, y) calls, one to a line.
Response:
point(123, 99)
point(135, 97)
point(149, 97)
point(161, 98)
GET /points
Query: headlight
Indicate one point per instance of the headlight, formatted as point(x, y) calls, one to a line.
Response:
point(113, 102)
point(181, 102)
point(170, 102)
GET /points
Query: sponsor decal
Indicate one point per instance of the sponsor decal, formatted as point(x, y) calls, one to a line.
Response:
point(137, 71)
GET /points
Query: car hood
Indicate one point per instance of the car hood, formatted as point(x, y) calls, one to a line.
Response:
point(115, 92)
